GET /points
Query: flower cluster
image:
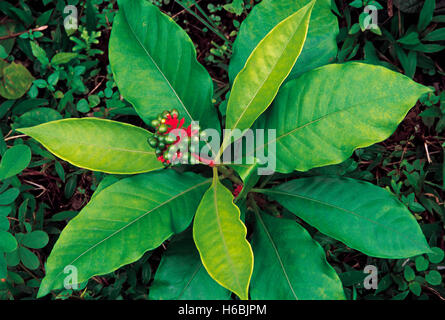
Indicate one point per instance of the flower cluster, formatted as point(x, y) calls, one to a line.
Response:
point(172, 142)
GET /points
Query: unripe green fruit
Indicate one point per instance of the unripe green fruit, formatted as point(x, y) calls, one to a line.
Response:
point(153, 142)
point(161, 145)
point(174, 112)
point(169, 139)
point(162, 128)
point(155, 123)
point(158, 152)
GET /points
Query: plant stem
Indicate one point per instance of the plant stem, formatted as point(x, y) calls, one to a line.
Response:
point(13, 35)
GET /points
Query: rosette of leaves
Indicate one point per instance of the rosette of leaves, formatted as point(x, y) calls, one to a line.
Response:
point(321, 114)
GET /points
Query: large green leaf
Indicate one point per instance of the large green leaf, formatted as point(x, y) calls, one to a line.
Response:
point(257, 84)
point(98, 144)
point(155, 67)
point(122, 222)
point(319, 49)
point(289, 265)
point(220, 237)
point(360, 214)
point(324, 115)
point(181, 275)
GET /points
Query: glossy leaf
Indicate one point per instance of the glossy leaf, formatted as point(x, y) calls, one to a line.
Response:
point(98, 144)
point(122, 222)
point(319, 49)
point(181, 275)
point(361, 215)
point(267, 67)
point(335, 109)
point(35, 240)
point(289, 265)
point(155, 67)
point(63, 57)
point(220, 237)
point(426, 14)
point(14, 161)
point(7, 242)
point(28, 258)
point(9, 196)
point(37, 116)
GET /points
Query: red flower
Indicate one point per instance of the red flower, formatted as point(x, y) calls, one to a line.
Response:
point(172, 123)
point(237, 190)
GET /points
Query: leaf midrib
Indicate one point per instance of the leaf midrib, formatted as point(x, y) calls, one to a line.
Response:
point(157, 66)
point(272, 242)
point(101, 146)
point(135, 220)
point(341, 209)
point(220, 231)
point(270, 73)
point(357, 105)
point(187, 285)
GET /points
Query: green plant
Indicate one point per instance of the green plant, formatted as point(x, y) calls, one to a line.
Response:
point(281, 80)
point(411, 42)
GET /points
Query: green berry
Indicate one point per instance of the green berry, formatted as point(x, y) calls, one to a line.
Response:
point(153, 142)
point(174, 112)
point(161, 145)
point(162, 128)
point(155, 123)
point(158, 152)
point(169, 139)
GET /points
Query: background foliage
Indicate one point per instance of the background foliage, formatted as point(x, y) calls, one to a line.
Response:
point(49, 73)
